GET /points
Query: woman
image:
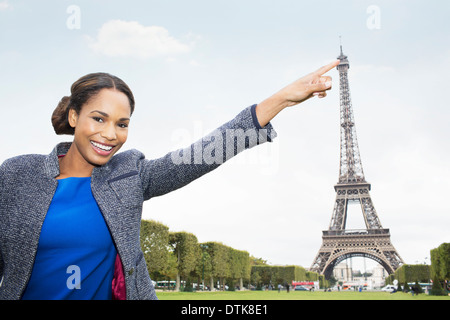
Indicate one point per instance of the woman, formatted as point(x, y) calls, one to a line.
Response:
point(70, 220)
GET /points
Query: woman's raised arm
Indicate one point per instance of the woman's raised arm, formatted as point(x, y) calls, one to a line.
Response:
point(249, 128)
point(313, 84)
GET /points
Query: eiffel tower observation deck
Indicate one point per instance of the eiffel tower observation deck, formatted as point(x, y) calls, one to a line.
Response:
point(340, 243)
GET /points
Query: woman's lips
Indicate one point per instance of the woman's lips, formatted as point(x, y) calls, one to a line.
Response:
point(102, 149)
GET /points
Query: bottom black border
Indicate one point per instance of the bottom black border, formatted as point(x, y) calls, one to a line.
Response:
point(211, 309)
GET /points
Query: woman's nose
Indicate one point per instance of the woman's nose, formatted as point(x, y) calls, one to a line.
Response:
point(109, 132)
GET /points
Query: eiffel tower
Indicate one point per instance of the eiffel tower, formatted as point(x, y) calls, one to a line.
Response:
point(339, 243)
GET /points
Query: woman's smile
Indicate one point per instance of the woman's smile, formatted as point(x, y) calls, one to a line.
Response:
point(102, 149)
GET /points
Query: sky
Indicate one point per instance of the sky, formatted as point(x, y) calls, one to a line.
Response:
point(194, 65)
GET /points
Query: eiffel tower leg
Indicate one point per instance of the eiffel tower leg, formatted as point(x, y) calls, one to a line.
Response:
point(370, 215)
point(391, 254)
point(339, 214)
point(320, 261)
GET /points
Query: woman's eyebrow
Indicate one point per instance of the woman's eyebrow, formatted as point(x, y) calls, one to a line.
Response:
point(107, 115)
point(102, 113)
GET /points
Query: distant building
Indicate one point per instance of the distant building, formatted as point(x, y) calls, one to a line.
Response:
point(344, 273)
point(379, 275)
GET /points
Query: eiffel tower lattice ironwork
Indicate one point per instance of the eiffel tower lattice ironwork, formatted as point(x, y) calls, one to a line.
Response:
point(339, 243)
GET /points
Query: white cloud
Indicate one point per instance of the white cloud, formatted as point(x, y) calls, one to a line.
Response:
point(131, 39)
point(4, 5)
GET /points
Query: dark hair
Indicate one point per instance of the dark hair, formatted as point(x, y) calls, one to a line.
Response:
point(81, 91)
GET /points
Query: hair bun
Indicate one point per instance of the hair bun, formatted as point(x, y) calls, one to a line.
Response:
point(60, 119)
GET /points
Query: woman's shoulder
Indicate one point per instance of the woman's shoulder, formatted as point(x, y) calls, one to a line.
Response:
point(29, 161)
point(133, 153)
point(127, 155)
point(130, 157)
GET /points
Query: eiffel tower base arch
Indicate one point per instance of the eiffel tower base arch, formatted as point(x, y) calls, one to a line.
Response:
point(340, 245)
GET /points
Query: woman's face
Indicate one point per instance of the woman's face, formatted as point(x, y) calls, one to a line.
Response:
point(101, 128)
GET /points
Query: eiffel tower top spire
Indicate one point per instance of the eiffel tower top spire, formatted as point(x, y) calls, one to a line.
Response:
point(342, 57)
point(350, 170)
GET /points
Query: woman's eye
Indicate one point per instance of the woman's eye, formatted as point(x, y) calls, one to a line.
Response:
point(123, 125)
point(98, 119)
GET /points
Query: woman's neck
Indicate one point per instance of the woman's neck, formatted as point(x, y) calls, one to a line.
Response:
point(73, 164)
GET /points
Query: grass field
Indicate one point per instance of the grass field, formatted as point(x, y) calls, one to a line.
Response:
point(294, 295)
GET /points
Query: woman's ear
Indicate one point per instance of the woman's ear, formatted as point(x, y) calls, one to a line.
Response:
point(73, 118)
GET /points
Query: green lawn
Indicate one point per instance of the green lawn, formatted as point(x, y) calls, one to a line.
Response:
point(294, 295)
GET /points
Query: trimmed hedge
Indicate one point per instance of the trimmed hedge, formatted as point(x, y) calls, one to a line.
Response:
point(284, 275)
point(440, 268)
point(440, 262)
point(413, 273)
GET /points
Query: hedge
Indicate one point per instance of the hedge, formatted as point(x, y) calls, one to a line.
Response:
point(413, 273)
point(281, 274)
point(440, 268)
point(440, 262)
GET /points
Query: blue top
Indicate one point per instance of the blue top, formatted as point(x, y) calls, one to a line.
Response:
point(76, 254)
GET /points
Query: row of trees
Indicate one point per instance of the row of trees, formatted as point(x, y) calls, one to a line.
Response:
point(179, 255)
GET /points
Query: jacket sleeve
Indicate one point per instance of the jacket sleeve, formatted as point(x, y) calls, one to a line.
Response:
point(1, 267)
point(178, 168)
point(1, 219)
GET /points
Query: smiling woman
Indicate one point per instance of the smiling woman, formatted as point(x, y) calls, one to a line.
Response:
point(98, 114)
point(70, 221)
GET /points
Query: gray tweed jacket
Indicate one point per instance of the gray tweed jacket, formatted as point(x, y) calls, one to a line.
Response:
point(27, 186)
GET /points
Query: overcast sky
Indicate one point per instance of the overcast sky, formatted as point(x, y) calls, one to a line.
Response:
point(194, 65)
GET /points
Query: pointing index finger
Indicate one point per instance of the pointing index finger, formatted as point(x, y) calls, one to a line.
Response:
point(326, 68)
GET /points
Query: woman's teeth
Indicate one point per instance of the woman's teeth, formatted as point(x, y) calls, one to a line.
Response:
point(101, 146)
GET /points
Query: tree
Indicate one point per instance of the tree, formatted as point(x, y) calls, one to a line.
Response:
point(154, 238)
point(255, 278)
point(436, 289)
point(440, 262)
point(203, 269)
point(406, 287)
point(187, 252)
point(417, 287)
point(440, 268)
point(219, 261)
point(239, 267)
